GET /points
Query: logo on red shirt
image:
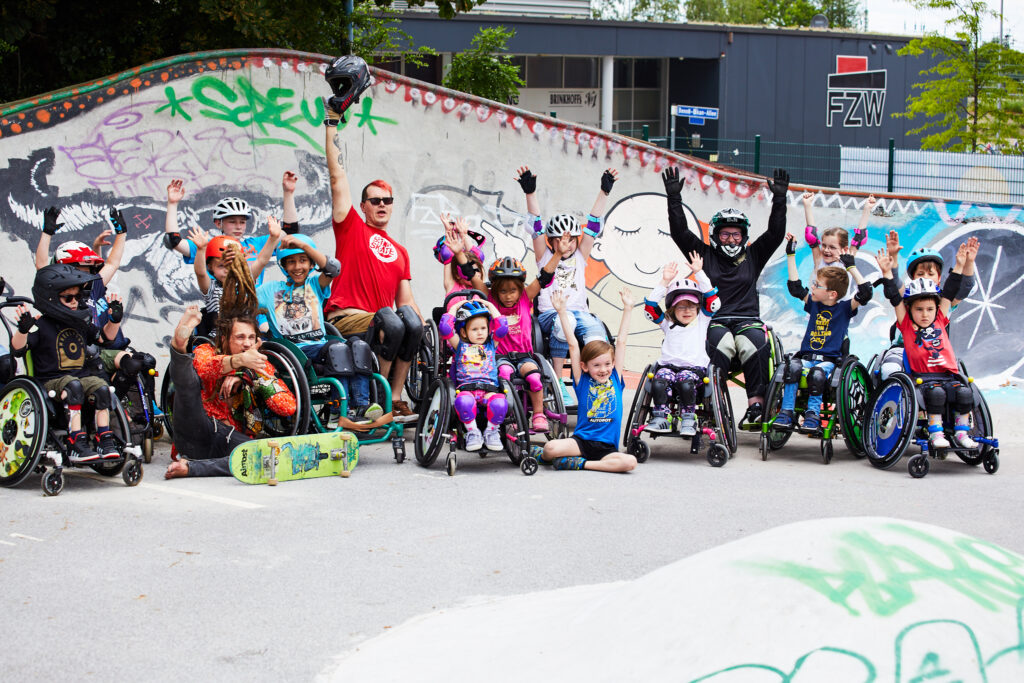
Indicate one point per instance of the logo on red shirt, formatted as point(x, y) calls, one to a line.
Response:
point(382, 248)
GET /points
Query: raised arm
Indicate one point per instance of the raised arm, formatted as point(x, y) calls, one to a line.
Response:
point(681, 234)
point(290, 215)
point(172, 234)
point(559, 303)
point(621, 340)
point(528, 181)
point(341, 193)
point(796, 288)
point(652, 303)
point(764, 246)
point(864, 288)
point(50, 228)
point(115, 309)
point(201, 239)
point(889, 287)
point(543, 279)
point(860, 233)
point(811, 230)
point(113, 261)
point(593, 227)
point(267, 251)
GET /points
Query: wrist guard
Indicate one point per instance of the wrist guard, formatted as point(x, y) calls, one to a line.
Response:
point(171, 239)
point(537, 223)
point(467, 269)
point(797, 289)
point(115, 311)
point(860, 237)
point(332, 268)
point(811, 235)
point(847, 260)
point(951, 287)
point(891, 290)
point(290, 228)
point(864, 292)
point(593, 227)
point(545, 278)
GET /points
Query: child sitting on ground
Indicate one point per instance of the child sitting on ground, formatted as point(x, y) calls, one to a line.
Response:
point(827, 248)
point(681, 369)
point(58, 340)
point(470, 328)
point(922, 318)
point(597, 376)
point(821, 348)
point(514, 300)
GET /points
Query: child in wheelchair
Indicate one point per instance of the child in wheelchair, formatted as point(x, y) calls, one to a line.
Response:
point(922, 319)
point(470, 328)
point(821, 348)
point(59, 340)
point(684, 358)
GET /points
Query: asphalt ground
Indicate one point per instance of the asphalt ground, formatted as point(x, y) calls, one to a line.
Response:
point(215, 579)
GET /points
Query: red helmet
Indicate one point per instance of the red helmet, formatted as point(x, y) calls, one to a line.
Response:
point(218, 244)
point(77, 254)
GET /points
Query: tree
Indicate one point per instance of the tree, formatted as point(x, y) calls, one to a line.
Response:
point(841, 13)
point(637, 10)
point(961, 102)
point(483, 70)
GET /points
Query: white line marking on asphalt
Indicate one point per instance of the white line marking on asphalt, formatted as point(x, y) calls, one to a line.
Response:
point(28, 538)
point(7, 543)
point(204, 496)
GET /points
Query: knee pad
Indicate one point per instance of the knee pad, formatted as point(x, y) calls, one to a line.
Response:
point(339, 359)
point(465, 406)
point(100, 399)
point(506, 370)
point(74, 393)
point(934, 397)
point(534, 381)
point(817, 380)
point(794, 367)
point(497, 408)
point(660, 390)
point(412, 333)
point(721, 342)
point(687, 392)
point(963, 398)
point(749, 343)
point(362, 356)
point(385, 334)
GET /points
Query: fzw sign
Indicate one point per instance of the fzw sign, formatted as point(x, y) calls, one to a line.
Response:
point(856, 96)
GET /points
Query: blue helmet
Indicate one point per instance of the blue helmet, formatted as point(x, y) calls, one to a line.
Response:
point(469, 310)
point(922, 255)
point(282, 254)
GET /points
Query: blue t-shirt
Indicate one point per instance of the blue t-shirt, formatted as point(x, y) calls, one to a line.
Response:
point(599, 417)
point(826, 328)
point(101, 314)
point(251, 245)
point(295, 312)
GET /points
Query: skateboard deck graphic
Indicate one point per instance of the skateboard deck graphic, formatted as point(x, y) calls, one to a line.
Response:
point(268, 461)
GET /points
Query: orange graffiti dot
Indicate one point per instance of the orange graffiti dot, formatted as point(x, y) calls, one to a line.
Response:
point(135, 83)
point(212, 65)
point(125, 91)
point(67, 105)
point(164, 76)
point(81, 106)
point(98, 100)
point(223, 61)
point(4, 122)
point(145, 83)
point(236, 65)
point(43, 115)
point(110, 91)
point(21, 116)
point(15, 128)
point(29, 124)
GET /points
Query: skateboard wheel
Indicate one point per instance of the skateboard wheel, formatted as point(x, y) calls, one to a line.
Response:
point(344, 474)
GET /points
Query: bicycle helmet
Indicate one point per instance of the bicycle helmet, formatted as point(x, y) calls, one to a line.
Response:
point(506, 267)
point(444, 254)
point(563, 224)
point(920, 288)
point(348, 77)
point(681, 289)
point(282, 254)
point(231, 206)
point(730, 218)
point(53, 279)
point(469, 310)
point(216, 247)
point(77, 254)
point(922, 255)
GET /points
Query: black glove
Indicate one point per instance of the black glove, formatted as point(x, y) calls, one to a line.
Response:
point(607, 180)
point(337, 105)
point(791, 245)
point(848, 260)
point(673, 185)
point(116, 311)
point(26, 322)
point(780, 187)
point(528, 182)
point(50, 224)
point(117, 221)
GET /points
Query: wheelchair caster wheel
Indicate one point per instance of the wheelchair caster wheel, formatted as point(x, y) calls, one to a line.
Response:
point(826, 450)
point(398, 446)
point(639, 449)
point(918, 466)
point(991, 462)
point(718, 455)
point(158, 431)
point(451, 464)
point(528, 465)
point(147, 449)
point(132, 472)
point(53, 482)
point(763, 446)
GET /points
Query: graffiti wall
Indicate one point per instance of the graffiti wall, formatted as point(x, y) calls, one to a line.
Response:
point(230, 123)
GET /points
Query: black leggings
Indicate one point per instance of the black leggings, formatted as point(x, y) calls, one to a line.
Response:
point(747, 339)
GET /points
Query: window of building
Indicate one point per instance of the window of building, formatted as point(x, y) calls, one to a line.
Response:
point(543, 72)
point(582, 72)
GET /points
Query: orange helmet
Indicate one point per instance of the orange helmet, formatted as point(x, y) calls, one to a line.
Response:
point(218, 244)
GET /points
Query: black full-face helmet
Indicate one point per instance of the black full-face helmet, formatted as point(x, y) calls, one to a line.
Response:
point(51, 281)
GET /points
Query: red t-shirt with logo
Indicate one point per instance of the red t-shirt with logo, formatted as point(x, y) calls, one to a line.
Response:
point(372, 266)
point(928, 349)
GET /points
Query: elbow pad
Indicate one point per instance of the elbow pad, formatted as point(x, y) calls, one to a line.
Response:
point(290, 228)
point(593, 227)
point(499, 326)
point(171, 239)
point(951, 287)
point(545, 278)
point(653, 312)
point(711, 302)
point(467, 269)
point(797, 289)
point(966, 285)
point(863, 294)
point(332, 268)
point(447, 326)
point(891, 290)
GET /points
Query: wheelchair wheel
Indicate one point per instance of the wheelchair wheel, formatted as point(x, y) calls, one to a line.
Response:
point(121, 429)
point(424, 368)
point(515, 430)
point(639, 414)
point(721, 405)
point(52, 482)
point(854, 390)
point(890, 421)
point(432, 425)
point(981, 425)
point(774, 439)
point(24, 425)
point(167, 402)
point(289, 370)
point(553, 402)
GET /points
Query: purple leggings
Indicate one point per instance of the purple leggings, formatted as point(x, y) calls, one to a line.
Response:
point(467, 401)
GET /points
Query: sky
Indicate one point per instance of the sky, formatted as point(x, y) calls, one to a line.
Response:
point(900, 17)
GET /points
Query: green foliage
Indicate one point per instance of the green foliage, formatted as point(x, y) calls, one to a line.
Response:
point(483, 70)
point(841, 13)
point(961, 102)
point(636, 10)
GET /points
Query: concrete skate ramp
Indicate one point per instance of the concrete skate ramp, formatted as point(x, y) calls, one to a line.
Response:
point(230, 123)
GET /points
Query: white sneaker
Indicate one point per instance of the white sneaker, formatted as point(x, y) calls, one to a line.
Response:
point(658, 423)
point(963, 439)
point(937, 440)
point(688, 424)
point(492, 439)
point(474, 439)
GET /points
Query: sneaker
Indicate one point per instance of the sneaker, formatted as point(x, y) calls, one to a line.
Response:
point(811, 424)
point(659, 423)
point(539, 424)
point(963, 439)
point(936, 438)
point(753, 414)
point(80, 450)
point(784, 420)
point(401, 412)
point(492, 439)
point(474, 439)
point(688, 424)
point(106, 446)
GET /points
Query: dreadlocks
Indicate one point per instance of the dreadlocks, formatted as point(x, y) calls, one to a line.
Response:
point(238, 303)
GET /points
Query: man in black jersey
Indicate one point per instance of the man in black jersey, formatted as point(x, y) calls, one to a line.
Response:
point(734, 267)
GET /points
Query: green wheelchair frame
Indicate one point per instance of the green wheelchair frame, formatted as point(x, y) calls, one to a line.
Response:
point(733, 376)
point(327, 396)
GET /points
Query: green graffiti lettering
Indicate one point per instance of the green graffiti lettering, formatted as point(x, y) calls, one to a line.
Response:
point(366, 118)
point(883, 574)
point(174, 104)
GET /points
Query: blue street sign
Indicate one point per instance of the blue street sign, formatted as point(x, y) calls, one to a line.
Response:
point(696, 112)
point(696, 121)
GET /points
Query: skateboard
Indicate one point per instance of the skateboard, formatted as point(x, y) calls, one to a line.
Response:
point(268, 461)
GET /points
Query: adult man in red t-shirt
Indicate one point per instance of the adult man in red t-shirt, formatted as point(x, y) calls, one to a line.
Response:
point(373, 296)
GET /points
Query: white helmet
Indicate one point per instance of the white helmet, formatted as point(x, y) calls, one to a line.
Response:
point(231, 206)
point(563, 224)
point(921, 287)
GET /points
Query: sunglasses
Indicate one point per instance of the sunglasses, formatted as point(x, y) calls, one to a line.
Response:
point(69, 298)
point(377, 201)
